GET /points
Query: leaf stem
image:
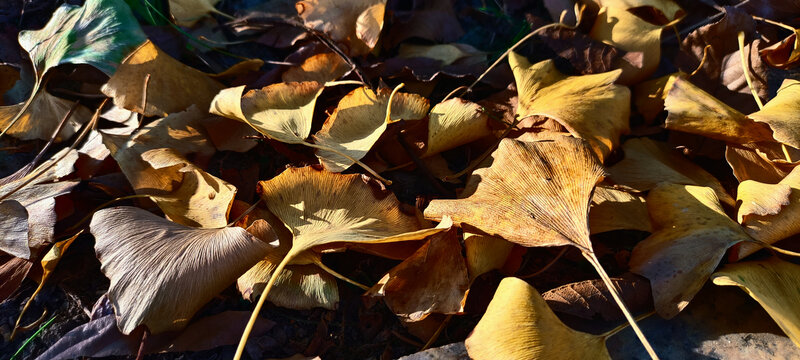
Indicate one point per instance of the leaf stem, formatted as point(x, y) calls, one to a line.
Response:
point(615, 294)
point(339, 276)
point(348, 157)
point(249, 328)
point(625, 325)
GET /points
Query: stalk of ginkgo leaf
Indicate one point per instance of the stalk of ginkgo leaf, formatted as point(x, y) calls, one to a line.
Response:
point(615, 294)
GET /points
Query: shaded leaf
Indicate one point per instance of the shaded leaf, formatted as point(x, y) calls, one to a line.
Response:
point(692, 234)
point(590, 299)
point(613, 209)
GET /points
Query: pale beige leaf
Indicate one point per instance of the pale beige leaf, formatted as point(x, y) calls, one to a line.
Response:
point(453, 123)
point(161, 273)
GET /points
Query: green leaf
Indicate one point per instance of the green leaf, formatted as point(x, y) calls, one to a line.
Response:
point(100, 33)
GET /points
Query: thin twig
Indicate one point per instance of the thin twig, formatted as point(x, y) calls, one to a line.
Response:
point(543, 269)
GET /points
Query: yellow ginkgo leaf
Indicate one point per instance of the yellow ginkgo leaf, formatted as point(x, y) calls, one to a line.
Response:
point(184, 192)
point(590, 107)
point(321, 209)
point(534, 194)
point(299, 286)
point(648, 163)
point(320, 68)
point(692, 234)
point(42, 117)
point(519, 325)
point(692, 110)
point(358, 122)
point(485, 253)
point(768, 212)
point(617, 210)
point(784, 54)
point(782, 114)
point(453, 123)
point(432, 280)
point(200, 199)
point(166, 84)
point(161, 272)
point(764, 162)
point(617, 25)
point(773, 283)
point(344, 22)
point(282, 111)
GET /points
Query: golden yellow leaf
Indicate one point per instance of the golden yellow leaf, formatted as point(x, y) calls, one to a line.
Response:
point(692, 233)
point(358, 122)
point(370, 23)
point(532, 194)
point(648, 163)
point(282, 111)
point(782, 114)
point(485, 253)
point(768, 212)
point(648, 96)
point(320, 68)
point(161, 272)
point(446, 53)
point(773, 283)
point(695, 111)
point(172, 86)
point(784, 54)
point(590, 107)
point(453, 123)
point(519, 325)
point(760, 162)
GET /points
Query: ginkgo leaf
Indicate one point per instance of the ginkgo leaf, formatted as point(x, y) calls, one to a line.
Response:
point(773, 283)
point(323, 208)
point(762, 162)
point(648, 163)
point(201, 199)
point(617, 25)
point(649, 96)
point(282, 111)
point(590, 299)
point(187, 12)
point(370, 23)
point(432, 280)
point(692, 234)
point(533, 194)
point(161, 273)
point(781, 114)
point(320, 68)
point(14, 227)
point(38, 214)
point(617, 210)
point(358, 122)
point(453, 123)
point(519, 325)
point(41, 118)
point(485, 253)
point(768, 212)
point(590, 107)
point(340, 20)
point(692, 110)
point(100, 33)
point(184, 192)
point(298, 286)
point(170, 87)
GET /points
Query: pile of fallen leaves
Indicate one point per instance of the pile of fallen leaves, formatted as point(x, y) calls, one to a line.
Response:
point(334, 162)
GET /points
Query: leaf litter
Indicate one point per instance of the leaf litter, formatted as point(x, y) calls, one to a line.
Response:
point(361, 175)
